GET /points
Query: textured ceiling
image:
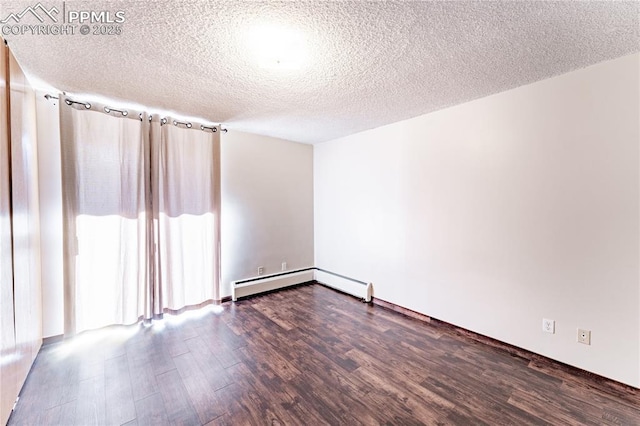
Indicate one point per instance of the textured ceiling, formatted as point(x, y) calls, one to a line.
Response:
point(366, 63)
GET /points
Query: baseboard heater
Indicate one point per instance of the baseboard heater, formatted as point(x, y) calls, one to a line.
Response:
point(257, 285)
point(357, 288)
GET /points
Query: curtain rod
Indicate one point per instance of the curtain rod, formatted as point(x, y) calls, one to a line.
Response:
point(124, 113)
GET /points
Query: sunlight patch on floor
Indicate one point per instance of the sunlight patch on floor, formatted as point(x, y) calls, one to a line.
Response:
point(184, 317)
point(108, 336)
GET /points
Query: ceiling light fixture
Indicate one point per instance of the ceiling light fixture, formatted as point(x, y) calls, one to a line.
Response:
point(276, 47)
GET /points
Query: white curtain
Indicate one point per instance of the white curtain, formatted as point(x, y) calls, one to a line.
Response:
point(105, 166)
point(186, 201)
point(141, 215)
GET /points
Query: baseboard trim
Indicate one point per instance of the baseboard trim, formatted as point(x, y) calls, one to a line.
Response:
point(46, 341)
point(620, 389)
point(401, 310)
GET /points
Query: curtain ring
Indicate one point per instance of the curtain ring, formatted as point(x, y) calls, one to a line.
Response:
point(69, 102)
point(124, 113)
point(212, 128)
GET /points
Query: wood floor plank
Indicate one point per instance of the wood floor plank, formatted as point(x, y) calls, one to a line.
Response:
point(63, 414)
point(273, 315)
point(273, 360)
point(119, 402)
point(55, 386)
point(261, 382)
point(228, 357)
point(141, 369)
point(404, 379)
point(402, 401)
point(229, 420)
point(186, 365)
point(150, 411)
point(159, 356)
point(177, 405)
point(173, 341)
point(91, 404)
point(250, 406)
point(612, 407)
point(202, 398)
point(538, 405)
point(488, 402)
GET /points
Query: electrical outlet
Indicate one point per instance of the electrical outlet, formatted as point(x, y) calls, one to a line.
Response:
point(584, 336)
point(284, 266)
point(260, 270)
point(548, 326)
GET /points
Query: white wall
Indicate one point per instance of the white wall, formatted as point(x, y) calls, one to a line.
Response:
point(497, 213)
point(49, 180)
point(267, 206)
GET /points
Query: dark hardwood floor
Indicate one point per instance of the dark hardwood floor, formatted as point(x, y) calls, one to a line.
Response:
point(305, 356)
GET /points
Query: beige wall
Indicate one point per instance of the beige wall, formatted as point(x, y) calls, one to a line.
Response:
point(267, 206)
point(497, 213)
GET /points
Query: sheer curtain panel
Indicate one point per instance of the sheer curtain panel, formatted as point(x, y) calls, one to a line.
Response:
point(186, 202)
point(106, 214)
